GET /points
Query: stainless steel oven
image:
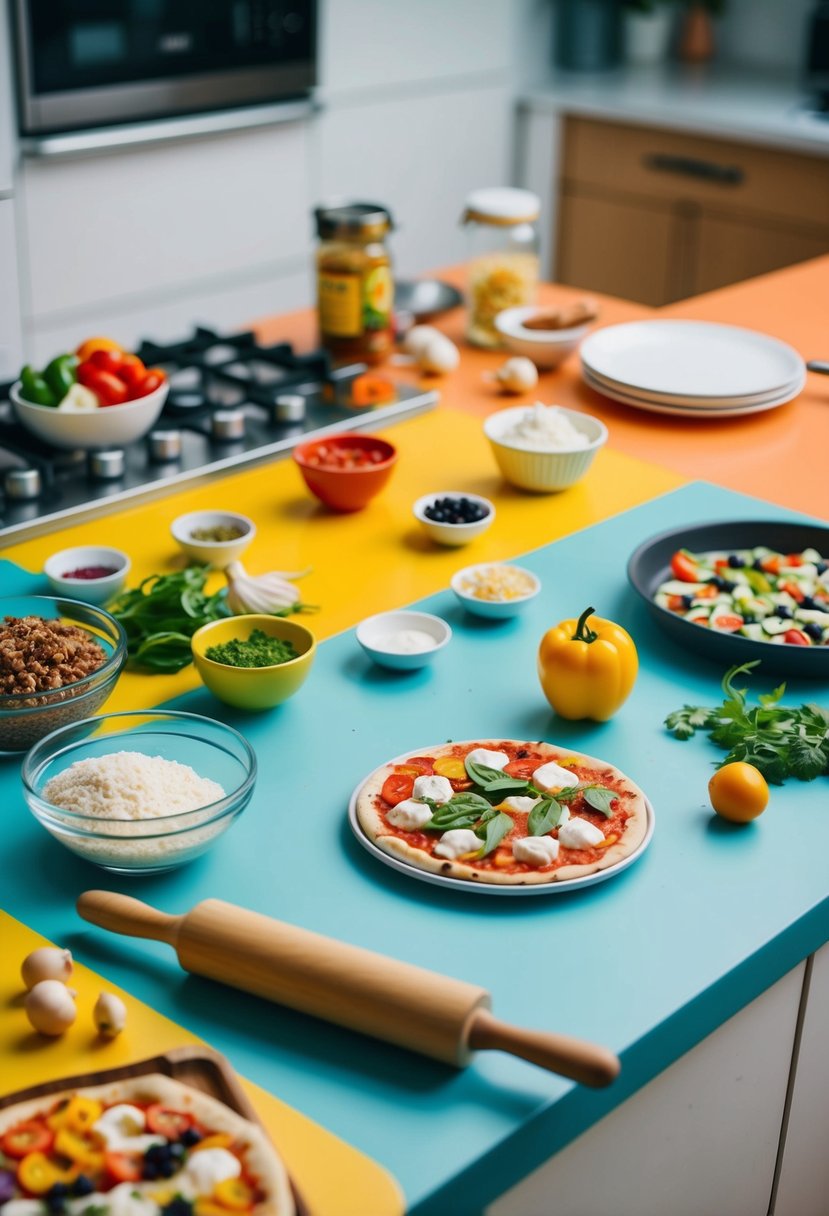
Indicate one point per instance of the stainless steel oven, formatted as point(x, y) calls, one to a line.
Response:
point(95, 63)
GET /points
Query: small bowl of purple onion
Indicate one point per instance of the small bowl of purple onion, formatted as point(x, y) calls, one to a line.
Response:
point(93, 574)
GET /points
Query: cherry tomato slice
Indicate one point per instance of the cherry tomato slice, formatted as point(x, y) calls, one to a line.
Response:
point(424, 764)
point(675, 603)
point(124, 1167)
point(796, 637)
point(792, 588)
point(397, 788)
point(727, 623)
point(772, 563)
point(684, 568)
point(165, 1121)
point(371, 389)
point(522, 768)
point(31, 1136)
point(708, 592)
point(794, 559)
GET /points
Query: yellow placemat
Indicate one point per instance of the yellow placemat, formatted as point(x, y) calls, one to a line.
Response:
point(370, 561)
point(334, 1178)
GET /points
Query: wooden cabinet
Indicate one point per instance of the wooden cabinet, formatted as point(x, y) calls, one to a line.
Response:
point(656, 216)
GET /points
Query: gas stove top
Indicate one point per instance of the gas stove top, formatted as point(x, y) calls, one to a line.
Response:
point(232, 403)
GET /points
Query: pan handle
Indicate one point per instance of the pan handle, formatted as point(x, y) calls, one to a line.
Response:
point(818, 365)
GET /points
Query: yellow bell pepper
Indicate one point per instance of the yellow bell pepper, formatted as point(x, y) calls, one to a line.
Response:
point(78, 1113)
point(587, 671)
point(37, 1174)
point(234, 1195)
point(79, 1148)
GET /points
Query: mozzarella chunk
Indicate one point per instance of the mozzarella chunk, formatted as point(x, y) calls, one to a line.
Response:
point(24, 1207)
point(482, 755)
point(553, 777)
point(409, 815)
point(579, 833)
point(456, 842)
point(535, 850)
point(438, 789)
point(209, 1167)
point(124, 1200)
point(120, 1128)
point(518, 802)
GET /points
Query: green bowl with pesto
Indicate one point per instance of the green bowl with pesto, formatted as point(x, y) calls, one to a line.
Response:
point(249, 687)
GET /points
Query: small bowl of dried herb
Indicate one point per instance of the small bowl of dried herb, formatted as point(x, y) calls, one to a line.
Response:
point(253, 662)
point(214, 538)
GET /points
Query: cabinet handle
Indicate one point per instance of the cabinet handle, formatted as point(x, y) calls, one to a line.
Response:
point(691, 166)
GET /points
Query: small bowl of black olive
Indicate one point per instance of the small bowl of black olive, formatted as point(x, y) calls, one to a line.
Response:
point(454, 517)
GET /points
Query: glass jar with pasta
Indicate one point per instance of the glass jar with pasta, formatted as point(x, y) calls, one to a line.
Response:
point(503, 261)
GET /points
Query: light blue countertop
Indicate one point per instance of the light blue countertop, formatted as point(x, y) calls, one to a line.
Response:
point(648, 962)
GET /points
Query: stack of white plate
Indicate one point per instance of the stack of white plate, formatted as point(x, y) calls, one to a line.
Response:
point(692, 369)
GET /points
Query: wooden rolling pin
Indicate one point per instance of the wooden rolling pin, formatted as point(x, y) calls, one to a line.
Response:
point(433, 1014)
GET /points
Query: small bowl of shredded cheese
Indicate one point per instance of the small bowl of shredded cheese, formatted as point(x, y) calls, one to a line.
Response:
point(544, 447)
point(494, 589)
point(139, 792)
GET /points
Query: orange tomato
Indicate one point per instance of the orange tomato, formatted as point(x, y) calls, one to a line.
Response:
point(738, 792)
point(92, 344)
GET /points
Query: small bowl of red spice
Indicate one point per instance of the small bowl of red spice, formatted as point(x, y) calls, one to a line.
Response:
point(346, 471)
point(93, 574)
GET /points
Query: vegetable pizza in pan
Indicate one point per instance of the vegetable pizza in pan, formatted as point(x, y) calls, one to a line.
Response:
point(503, 812)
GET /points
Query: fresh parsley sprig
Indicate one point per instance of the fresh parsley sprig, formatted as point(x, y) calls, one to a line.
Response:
point(781, 741)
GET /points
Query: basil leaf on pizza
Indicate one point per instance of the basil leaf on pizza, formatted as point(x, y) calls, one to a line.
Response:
point(505, 830)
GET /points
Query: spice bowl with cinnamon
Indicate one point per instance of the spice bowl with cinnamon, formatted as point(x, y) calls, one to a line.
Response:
point(545, 334)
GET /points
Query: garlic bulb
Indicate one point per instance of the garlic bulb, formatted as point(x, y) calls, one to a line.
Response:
point(50, 1007)
point(418, 337)
point(517, 375)
point(266, 593)
point(109, 1015)
point(79, 400)
point(439, 355)
point(47, 963)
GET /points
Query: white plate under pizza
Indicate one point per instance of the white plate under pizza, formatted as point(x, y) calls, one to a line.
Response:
point(502, 817)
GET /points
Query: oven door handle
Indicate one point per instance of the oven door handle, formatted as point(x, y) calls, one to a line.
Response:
point(164, 130)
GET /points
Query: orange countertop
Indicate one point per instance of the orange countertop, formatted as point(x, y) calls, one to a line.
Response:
point(771, 455)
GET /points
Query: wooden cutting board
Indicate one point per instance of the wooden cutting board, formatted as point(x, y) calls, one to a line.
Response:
point(199, 1067)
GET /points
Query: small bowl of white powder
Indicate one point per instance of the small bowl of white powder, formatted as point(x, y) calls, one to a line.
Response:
point(544, 447)
point(403, 640)
point(139, 792)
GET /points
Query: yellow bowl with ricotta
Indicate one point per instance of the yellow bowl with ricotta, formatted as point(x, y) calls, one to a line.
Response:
point(254, 687)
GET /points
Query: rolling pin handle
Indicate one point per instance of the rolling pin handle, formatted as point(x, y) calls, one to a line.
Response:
point(584, 1062)
point(123, 914)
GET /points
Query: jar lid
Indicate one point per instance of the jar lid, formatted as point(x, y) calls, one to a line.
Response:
point(502, 205)
point(352, 219)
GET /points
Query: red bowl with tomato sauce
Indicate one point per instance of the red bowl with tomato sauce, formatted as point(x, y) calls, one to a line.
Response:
point(346, 471)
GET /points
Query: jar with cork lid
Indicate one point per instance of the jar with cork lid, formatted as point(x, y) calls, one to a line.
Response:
point(501, 224)
point(355, 289)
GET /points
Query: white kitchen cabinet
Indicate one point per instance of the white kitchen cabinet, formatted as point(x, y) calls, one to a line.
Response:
point(381, 44)
point(7, 104)
point(142, 224)
point(420, 156)
point(226, 308)
point(803, 1187)
point(700, 1140)
point(11, 352)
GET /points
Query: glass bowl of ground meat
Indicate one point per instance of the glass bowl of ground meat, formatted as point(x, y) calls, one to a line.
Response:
point(59, 661)
point(139, 792)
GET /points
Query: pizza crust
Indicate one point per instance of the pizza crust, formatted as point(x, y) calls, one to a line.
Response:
point(371, 820)
point(265, 1163)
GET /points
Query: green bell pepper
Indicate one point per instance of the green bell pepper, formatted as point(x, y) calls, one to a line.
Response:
point(34, 388)
point(60, 375)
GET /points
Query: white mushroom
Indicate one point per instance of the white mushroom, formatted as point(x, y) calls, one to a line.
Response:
point(109, 1015)
point(438, 355)
point(517, 375)
point(47, 963)
point(50, 1007)
point(418, 337)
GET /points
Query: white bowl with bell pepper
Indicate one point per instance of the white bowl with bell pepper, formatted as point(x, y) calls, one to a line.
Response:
point(99, 396)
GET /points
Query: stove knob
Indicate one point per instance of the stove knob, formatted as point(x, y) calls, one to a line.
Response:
point(289, 408)
point(165, 445)
point(228, 425)
point(22, 484)
point(107, 465)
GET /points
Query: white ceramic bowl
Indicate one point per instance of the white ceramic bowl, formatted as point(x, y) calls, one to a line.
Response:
point(112, 426)
point(219, 553)
point(453, 534)
point(533, 469)
point(546, 347)
point(374, 632)
point(88, 590)
point(498, 609)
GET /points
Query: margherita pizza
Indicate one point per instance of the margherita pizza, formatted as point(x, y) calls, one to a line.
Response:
point(145, 1146)
point(503, 812)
